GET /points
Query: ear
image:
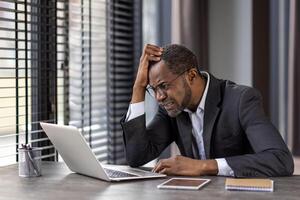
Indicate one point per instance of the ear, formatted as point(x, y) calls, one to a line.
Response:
point(192, 74)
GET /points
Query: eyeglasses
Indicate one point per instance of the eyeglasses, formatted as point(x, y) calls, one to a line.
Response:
point(163, 87)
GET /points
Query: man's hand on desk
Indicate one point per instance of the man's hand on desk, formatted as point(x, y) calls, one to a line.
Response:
point(180, 165)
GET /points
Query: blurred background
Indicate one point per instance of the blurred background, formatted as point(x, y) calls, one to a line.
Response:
point(74, 62)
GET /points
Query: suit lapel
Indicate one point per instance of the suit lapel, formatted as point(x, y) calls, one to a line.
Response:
point(211, 112)
point(185, 132)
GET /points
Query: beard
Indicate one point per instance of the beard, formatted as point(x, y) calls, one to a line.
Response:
point(172, 107)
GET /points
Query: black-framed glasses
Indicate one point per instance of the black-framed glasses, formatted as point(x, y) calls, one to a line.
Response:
point(163, 87)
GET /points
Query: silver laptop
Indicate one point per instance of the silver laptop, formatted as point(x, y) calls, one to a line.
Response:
point(78, 156)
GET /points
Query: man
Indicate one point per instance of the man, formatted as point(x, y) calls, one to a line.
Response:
point(219, 127)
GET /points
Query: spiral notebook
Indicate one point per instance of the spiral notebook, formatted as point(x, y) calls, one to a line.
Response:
point(259, 185)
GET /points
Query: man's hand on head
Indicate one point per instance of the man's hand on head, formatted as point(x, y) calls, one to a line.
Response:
point(180, 165)
point(150, 53)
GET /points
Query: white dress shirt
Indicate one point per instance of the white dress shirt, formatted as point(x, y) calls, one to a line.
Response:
point(138, 109)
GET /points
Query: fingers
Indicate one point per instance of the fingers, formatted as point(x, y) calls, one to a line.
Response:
point(152, 48)
point(180, 165)
point(152, 57)
point(155, 168)
point(171, 166)
point(152, 52)
point(161, 165)
point(164, 169)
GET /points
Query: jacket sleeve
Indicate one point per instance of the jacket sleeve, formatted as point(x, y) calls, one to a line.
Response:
point(143, 144)
point(271, 156)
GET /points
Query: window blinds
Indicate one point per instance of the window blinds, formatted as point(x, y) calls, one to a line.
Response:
point(105, 43)
point(124, 49)
point(32, 49)
point(87, 72)
point(67, 62)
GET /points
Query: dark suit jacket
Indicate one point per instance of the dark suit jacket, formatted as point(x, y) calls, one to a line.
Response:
point(235, 128)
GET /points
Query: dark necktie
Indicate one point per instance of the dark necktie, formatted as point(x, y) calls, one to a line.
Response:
point(195, 148)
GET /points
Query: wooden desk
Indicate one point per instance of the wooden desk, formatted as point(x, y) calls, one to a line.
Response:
point(57, 182)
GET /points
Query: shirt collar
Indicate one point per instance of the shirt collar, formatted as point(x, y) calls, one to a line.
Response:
point(201, 105)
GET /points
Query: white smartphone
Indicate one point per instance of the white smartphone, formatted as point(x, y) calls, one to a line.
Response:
point(184, 183)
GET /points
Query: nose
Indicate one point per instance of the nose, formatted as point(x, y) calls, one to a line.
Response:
point(160, 95)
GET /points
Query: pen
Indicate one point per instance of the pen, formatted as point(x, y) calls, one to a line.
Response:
point(30, 157)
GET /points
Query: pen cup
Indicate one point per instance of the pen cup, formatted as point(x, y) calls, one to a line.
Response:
point(30, 162)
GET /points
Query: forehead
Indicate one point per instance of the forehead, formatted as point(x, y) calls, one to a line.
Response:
point(159, 73)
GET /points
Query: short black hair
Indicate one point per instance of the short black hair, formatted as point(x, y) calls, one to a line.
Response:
point(178, 58)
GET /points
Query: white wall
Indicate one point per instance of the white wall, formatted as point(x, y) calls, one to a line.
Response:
point(230, 40)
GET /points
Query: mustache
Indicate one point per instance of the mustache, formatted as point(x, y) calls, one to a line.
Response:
point(166, 102)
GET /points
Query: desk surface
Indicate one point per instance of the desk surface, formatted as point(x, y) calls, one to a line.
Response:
point(57, 182)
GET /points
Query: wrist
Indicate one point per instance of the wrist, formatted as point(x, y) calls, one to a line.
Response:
point(209, 167)
point(138, 94)
point(139, 87)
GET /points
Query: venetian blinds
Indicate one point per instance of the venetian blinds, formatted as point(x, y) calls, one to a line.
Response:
point(105, 40)
point(66, 62)
point(124, 49)
point(87, 72)
point(32, 52)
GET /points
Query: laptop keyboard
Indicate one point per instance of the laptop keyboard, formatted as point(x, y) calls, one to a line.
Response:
point(117, 174)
